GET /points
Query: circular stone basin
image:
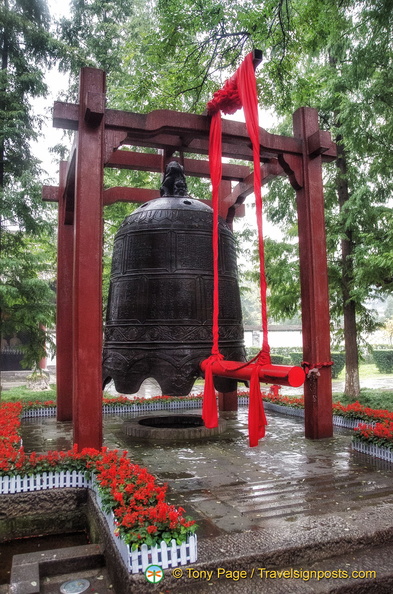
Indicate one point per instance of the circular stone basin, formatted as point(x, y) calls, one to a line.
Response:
point(171, 428)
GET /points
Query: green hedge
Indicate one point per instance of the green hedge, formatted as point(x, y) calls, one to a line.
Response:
point(252, 352)
point(384, 360)
point(280, 360)
point(339, 363)
point(276, 359)
point(338, 358)
point(296, 358)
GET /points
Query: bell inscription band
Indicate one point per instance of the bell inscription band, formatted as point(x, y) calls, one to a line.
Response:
point(160, 306)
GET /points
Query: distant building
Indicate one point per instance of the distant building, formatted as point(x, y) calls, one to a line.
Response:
point(280, 335)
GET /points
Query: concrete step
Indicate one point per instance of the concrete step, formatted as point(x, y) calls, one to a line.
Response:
point(30, 570)
point(363, 571)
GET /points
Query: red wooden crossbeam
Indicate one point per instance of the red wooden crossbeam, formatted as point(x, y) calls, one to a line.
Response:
point(284, 375)
point(124, 159)
point(190, 133)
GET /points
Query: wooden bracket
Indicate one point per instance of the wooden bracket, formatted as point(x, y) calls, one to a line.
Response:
point(50, 193)
point(318, 143)
point(293, 167)
point(112, 140)
point(94, 108)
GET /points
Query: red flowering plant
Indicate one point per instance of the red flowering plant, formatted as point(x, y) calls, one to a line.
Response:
point(32, 404)
point(141, 513)
point(116, 400)
point(381, 434)
point(356, 410)
point(275, 397)
point(9, 433)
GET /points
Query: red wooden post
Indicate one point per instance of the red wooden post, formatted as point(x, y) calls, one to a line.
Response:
point(87, 298)
point(228, 401)
point(64, 358)
point(314, 281)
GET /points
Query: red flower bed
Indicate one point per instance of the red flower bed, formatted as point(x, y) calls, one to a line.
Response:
point(358, 411)
point(141, 513)
point(38, 404)
point(129, 402)
point(138, 503)
point(276, 398)
point(381, 434)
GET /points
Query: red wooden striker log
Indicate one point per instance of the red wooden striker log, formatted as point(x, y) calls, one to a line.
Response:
point(284, 375)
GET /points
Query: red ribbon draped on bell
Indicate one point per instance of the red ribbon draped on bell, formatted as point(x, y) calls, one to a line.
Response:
point(239, 91)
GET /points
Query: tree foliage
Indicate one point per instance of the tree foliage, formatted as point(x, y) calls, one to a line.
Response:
point(339, 60)
point(26, 296)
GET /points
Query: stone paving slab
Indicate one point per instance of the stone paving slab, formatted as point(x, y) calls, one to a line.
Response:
point(288, 503)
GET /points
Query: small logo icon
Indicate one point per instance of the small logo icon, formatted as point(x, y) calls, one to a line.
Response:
point(154, 574)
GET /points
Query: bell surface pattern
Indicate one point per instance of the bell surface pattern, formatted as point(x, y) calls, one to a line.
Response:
point(160, 305)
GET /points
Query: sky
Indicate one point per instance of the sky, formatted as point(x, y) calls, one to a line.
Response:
point(57, 83)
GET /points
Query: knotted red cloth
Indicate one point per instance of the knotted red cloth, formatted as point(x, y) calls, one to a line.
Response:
point(239, 91)
point(209, 404)
point(256, 414)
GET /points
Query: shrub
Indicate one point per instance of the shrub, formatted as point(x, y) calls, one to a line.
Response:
point(339, 362)
point(252, 352)
point(296, 357)
point(384, 360)
point(280, 360)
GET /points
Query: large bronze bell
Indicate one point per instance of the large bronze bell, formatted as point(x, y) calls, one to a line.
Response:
point(159, 316)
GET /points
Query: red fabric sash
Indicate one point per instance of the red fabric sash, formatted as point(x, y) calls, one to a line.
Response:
point(239, 91)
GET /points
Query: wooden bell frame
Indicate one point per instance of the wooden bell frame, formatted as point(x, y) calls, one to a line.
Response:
point(100, 133)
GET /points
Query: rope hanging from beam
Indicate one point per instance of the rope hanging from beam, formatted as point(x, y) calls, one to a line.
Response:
point(239, 91)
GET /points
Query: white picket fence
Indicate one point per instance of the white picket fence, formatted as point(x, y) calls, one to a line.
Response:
point(287, 410)
point(163, 554)
point(40, 482)
point(33, 413)
point(120, 409)
point(150, 406)
point(338, 420)
point(373, 450)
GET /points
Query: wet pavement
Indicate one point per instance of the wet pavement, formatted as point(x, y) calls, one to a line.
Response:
point(287, 502)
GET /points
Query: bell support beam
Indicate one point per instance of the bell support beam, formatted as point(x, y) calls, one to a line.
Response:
point(156, 128)
point(64, 326)
point(245, 187)
point(126, 194)
point(123, 159)
point(87, 289)
point(314, 282)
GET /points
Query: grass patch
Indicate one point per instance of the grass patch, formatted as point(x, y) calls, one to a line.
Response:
point(377, 399)
point(366, 371)
point(22, 394)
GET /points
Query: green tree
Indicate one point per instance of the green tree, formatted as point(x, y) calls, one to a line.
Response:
point(338, 59)
point(26, 297)
point(119, 38)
